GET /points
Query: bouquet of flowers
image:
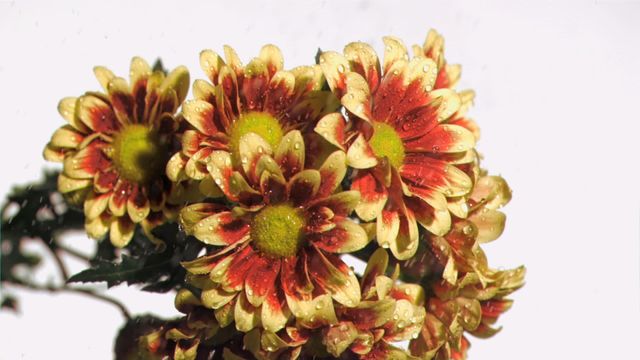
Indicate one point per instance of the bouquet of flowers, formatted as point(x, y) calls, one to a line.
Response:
point(251, 198)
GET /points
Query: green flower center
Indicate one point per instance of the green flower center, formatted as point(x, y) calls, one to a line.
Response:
point(139, 154)
point(278, 230)
point(259, 123)
point(386, 142)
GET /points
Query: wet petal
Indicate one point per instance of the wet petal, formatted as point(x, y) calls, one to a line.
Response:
point(290, 153)
point(200, 114)
point(332, 128)
point(121, 232)
point(346, 237)
point(330, 273)
point(260, 279)
point(304, 186)
point(387, 227)
point(363, 60)
point(87, 162)
point(357, 98)
point(406, 243)
point(339, 337)
point(246, 315)
point(430, 210)
point(275, 312)
point(370, 314)
point(489, 223)
point(373, 195)
point(334, 66)
point(221, 229)
point(444, 138)
point(360, 155)
point(96, 114)
point(332, 173)
point(422, 171)
point(211, 62)
point(394, 51)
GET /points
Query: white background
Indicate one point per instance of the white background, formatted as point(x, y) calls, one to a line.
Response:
point(557, 100)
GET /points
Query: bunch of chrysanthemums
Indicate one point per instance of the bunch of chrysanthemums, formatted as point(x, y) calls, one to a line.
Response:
point(283, 172)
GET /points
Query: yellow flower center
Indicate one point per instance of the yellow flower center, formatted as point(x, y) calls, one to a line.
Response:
point(263, 124)
point(386, 142)
point(139, 154)
point(278, 230)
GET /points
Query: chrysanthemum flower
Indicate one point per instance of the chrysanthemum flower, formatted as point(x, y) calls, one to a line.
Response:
point(115, 148)
point(458, 251)
point(469, 305)
point(388, 313)
point(413, 164)
point(259, 98)
point(280, 243)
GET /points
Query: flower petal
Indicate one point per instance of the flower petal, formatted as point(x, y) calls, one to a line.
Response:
point(334, 67)
point(272, 57)
point(406, 243)
point(422, 171)
point(490, 224)
point(332, 128)
point(252, 147)
point(330, 273)
point(200, 114)
point(138, 206)
point(221, 229)
point(332, 172)
point(96, 204)
point(211, 62)
point(430, 210)
point(363, 60)
point(387, 227)
point(303, 186)
point(346, 237)
point(360, 155)
point(121, 232)
point(357, 98)
point(444, 138)
point(275, 312)
point(373, 195)
point(96, 114)
point(394, 51)
point(97, 227)
point(260, 279)
point(290, 153)
point(246, 315)
point(87, 162)
point(339, 337)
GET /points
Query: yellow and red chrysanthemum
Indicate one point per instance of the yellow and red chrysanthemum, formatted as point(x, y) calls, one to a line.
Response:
point(388, 313)
point(115, 148)
point(281, 240)
point(469, 305)
point(414, 164)
point(259, 98)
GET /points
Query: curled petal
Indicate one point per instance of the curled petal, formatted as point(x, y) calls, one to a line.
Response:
point(360, 155)
point(95, 205)
point(66, 137)
point(272, 56)
point(138, 206)
point(394, 51)
point(357, 98)
point(387, 227)
point(178, 81)
point(334, 66)
point(339, 337)
point(489, 223)
point(216, 297)
point(97, 227)
point(332, 128)
point(431, 211)
point(363, 60)
point(252, 148)
point(371, 314)
point(406, 243)
point(211, 62)
point(314, 313)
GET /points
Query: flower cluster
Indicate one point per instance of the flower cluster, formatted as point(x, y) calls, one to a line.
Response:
point(280, 172)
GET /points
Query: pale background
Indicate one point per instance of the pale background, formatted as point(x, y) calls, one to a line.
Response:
point(557, 91)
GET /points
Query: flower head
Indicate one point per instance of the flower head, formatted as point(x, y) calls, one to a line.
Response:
point(281, 239)
point(115, 148)
point(414, 164)
point(260, 98)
